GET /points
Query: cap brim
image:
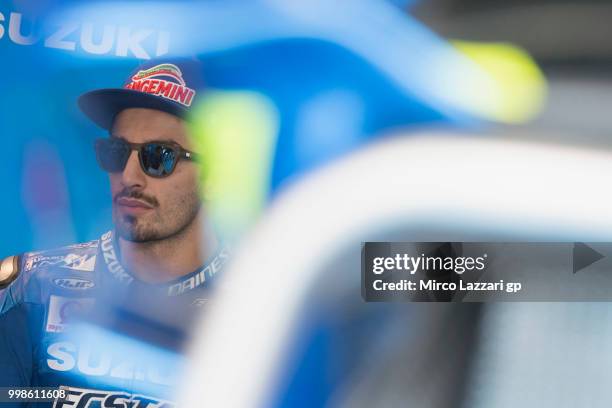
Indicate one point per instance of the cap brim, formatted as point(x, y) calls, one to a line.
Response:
point(102, 105)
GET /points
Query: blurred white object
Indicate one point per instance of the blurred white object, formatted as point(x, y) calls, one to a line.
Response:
point(535, 191)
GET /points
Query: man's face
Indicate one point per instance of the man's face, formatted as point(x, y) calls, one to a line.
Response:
point(147, 208)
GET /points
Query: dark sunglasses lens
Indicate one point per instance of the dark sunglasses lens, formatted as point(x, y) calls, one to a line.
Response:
point(112, 154)
point(158, 160)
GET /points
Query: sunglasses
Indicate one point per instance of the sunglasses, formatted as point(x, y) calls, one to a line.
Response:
point(157, 159)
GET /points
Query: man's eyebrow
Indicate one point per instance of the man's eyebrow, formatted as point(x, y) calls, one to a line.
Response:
point(169, 141)
point(160, 140)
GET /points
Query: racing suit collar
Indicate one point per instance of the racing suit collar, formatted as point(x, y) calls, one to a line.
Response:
point(198, 278)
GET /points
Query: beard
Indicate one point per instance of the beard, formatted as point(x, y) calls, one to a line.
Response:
point(162, 223)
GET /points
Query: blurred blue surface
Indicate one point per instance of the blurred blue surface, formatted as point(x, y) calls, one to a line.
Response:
point(331, 99)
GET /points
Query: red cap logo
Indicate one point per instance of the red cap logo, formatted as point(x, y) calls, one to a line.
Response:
point(149, 81)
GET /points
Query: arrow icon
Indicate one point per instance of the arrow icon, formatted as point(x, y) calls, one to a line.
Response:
point(583, 256)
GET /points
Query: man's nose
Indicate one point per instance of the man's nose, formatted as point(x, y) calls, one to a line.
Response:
point(132, 175)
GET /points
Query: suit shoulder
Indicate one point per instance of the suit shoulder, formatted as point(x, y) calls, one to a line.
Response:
point(77, 257)
point(21, 276)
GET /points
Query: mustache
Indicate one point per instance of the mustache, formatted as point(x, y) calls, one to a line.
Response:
point(137, 195)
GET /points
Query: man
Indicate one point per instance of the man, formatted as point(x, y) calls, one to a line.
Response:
point(158, 250)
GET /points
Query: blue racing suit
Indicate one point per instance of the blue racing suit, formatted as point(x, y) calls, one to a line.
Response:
point(53, 288)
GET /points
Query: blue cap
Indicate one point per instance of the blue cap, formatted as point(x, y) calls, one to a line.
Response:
point(167, 85)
